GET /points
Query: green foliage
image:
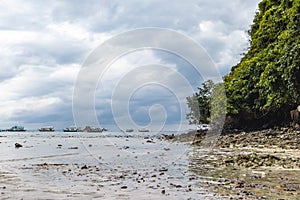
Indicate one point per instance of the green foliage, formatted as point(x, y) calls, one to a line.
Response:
point(268, 76)
point(194, 115)
point(265, 85)
point(208, 104)
point(217, 104)
point(199, 104)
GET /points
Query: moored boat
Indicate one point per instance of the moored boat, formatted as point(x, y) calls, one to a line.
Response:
point(16, 129)
point(143, 130)
point(71, 129)
point(47, 129)
point(203, 127)
point(92, 129)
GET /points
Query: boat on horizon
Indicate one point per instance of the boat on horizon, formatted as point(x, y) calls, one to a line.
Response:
point(93, 129)
point(129, 130)
point(16, 129)
point(143, 130)
point(72, 129)
point(47, 129)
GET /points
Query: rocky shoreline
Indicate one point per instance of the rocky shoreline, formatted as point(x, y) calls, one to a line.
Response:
point(261, 164)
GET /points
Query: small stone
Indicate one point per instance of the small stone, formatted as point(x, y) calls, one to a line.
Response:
point(73, 148)
point(163, 191)
point(124, 187)
point(84, 167)
point(17, 145)
point(163, 169)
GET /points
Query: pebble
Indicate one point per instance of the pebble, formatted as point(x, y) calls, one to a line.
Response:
point(84, 167)
point(17, 145)
point(73, 148)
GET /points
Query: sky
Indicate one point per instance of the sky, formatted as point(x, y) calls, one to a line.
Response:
point(44, 45)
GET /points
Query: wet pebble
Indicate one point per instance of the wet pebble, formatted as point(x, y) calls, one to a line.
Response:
point(17, 145)
point(163, 170)
point(73, 148)
point(84, 167)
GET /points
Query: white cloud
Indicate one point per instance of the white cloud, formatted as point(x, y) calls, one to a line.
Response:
point(44, 43)
point(29, 105)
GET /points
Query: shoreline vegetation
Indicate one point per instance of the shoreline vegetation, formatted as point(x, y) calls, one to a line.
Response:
point(262, 90)
point(261, 160)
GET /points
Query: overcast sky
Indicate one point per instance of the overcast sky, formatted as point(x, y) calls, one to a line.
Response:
point(44, 44)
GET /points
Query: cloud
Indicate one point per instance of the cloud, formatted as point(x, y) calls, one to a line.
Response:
point(44, 43)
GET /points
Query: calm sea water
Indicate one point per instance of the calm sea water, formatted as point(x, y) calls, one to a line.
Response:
point(108, 165)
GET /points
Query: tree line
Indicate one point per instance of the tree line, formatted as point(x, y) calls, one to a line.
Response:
point(265, 85)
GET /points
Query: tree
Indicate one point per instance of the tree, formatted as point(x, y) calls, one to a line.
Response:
point(264, 86)
point(199, 104)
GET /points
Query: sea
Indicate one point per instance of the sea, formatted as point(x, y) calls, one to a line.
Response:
point(107, 165)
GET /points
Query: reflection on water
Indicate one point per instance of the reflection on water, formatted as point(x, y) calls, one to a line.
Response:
point(95, 165)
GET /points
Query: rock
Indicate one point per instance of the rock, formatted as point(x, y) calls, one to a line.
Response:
point(169, 137)
point(73, 148)
point(17, 145)
point(163, 191)
point(124, 187)
point(84, 167)
point(163, 170)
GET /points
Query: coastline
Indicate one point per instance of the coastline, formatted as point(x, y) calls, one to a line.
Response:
point(110, 165)
point(262, 164)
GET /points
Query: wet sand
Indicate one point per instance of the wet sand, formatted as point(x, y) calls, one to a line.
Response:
point(146, 166)
point(248, 165)
point(96, 165)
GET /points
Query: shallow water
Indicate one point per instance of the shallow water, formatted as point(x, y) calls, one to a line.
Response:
point(104, 165)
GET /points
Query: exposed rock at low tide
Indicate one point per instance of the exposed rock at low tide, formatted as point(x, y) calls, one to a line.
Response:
point(17, 145)
point(286, 138)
